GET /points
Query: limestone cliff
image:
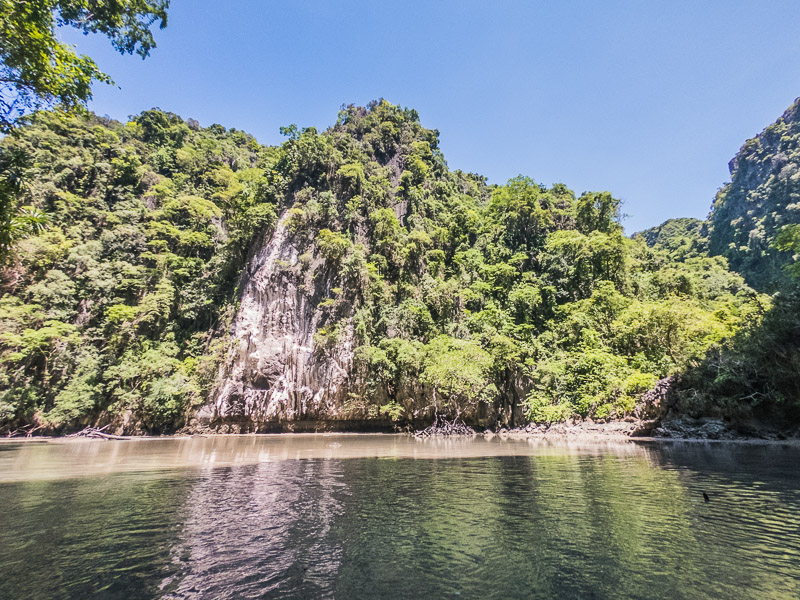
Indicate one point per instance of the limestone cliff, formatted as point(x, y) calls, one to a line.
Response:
point(192, 278)
point(762, 197)
point(273, 374)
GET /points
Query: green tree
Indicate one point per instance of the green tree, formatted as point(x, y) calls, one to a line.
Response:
point(38, 70)
point(788, 240)
point(459, 371)
point(15, 222)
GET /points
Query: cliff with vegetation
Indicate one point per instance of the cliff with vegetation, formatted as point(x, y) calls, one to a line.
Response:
point(190, 277)
point(762, 198)
point(754, 224)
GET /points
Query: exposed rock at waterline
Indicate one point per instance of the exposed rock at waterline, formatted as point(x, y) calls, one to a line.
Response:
point(658, 401)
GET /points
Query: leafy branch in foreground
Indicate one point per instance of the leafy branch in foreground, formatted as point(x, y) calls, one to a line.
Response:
point(38, 71)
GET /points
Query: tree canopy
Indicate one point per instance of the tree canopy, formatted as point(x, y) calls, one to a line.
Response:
point(37, 70)
point(519, 295)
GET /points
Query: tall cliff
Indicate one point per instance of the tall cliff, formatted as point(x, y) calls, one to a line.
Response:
point(322, 290)
point(347, 278)
point(273, 374)
point(762, 197)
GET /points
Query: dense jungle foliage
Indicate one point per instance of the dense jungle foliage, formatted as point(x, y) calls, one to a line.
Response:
point(121, 306)
point(111, 309)
point(755, 223)
point(756, 373)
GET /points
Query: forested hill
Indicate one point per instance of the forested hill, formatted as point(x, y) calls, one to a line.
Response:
point(681, 237)
point(424, 290)
point(750, 212)
point(110, 312)
point(755, 224)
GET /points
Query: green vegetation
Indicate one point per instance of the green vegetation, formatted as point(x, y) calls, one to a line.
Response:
point(37, 70)
point(753, 216)
point(111, 310)
point(16, 222)
point(681, 238)
point(755, 224)
point(755, 374)
point(513, 294)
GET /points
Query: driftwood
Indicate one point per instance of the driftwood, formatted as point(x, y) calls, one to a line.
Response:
point(97, 433)
point(26, 430)
point(443, 427)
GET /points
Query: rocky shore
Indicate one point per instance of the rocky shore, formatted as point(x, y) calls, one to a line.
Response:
point(682, 428)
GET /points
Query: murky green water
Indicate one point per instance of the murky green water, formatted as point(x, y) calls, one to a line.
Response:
point(392, 517)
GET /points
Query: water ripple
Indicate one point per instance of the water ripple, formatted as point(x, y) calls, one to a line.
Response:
point(546, 523)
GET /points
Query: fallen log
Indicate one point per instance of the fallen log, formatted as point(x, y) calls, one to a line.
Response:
point(97, 433)
point(26, 430)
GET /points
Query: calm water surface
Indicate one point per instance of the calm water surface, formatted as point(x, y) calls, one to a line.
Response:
point(384, 516)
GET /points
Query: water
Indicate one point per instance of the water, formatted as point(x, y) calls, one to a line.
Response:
point(383, 516)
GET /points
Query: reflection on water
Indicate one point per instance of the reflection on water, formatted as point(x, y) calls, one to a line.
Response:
point(242, 517)
point(258, 526)
point(60, 458)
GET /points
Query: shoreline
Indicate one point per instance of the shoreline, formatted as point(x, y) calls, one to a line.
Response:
point(555, 433)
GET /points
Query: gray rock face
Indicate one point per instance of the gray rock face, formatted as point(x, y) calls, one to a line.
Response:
point(688, 428)
point(272, 373)
point(656, 403)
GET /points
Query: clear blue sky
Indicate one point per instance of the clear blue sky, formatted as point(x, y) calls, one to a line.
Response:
point(648, 100)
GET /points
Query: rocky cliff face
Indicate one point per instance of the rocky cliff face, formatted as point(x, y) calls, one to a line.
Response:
point(762, 197)
point(275, 379)
point(272, 374)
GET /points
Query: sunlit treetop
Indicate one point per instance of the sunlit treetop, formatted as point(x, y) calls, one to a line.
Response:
point(38, 71)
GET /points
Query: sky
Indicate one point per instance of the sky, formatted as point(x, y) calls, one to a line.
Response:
point(646, 99)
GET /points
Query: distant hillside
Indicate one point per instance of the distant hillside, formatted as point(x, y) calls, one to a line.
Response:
point(682, 238)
